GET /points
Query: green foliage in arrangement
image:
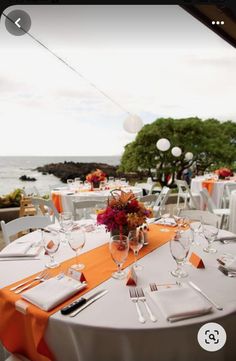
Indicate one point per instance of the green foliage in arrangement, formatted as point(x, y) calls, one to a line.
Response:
point(11, 200)
point(213, 144)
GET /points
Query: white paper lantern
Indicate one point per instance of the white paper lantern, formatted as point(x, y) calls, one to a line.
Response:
point(188, 156)
point(176, 151)
point(163, 144)
point(133, 124)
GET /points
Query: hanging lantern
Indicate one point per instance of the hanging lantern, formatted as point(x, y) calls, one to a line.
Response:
point(176, 151)
point(188, 156)
point(133, 124)
point(163, 144)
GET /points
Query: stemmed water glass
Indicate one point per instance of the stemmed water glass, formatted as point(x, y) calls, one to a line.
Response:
point(77, 241)
point(196, 229)
point(210, 233)
point(136, 241)
point(164, 214)
point(179, 248)
point(119, 248)
point(51, 242)
point(66, 222)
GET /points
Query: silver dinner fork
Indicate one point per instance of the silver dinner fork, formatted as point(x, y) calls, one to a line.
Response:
point(42, 277)
point(41, 274)
point(134, 298)
point(141, 297)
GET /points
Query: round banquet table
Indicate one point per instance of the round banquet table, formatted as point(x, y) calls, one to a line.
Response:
point(217, 189)
point(108, 330)
point(68, 196)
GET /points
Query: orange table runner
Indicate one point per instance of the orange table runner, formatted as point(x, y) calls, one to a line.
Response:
point(24, 334)
point(209, 185)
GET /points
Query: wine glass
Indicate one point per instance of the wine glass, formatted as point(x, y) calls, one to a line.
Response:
point(136, 241)
point(210, 233)
point(196, 229)
point(66, 222)
point(70, 183)
point(179, 248)
point(51, 242)
point(119, 248)
point(77, 242)
point(163, 211)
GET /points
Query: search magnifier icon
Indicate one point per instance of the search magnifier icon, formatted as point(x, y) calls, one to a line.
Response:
point(212, 337)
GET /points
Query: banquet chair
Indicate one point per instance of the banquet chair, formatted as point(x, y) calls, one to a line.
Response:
point(211, 207)
point(202, 216)
point(228, 189)
point(185, 194)
point(147, 187)
point(30, 191)
point(149, 199)
point(161, 200)
point(45, 207)
point(12, 228)
point(84, 209)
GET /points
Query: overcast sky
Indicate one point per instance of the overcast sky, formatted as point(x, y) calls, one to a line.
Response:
point(156, 61)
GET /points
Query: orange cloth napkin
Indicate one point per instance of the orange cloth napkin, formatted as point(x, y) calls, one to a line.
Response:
point(56, 198)
point(24, 334)
point(209, 185)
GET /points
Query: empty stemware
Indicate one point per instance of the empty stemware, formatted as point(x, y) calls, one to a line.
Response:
point(51, 242)
point(179, 247)
point(119, 248)
point(77, 242)
point(136, 241)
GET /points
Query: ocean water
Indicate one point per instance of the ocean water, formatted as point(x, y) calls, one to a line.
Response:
point(11, 168)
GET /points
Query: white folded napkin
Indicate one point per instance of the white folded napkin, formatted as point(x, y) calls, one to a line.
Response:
point(27, 249)
point(166, 221)
point(52, 292)
point(230, 265)
point(180, 303)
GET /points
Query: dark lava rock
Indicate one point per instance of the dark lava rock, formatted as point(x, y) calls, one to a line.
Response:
point(25, 178)
point(72, 170)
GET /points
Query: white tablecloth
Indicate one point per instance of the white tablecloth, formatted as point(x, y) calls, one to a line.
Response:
point(217, 192)
point(109, 330)
point(68, 197)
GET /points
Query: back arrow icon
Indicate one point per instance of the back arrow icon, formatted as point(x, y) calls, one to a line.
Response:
point(17, 23)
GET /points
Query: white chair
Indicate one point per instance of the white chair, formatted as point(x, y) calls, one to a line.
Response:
point(211, 207)
point(22, 224)
point(83, 209)
point(185, 194)
point(161, 200)
point(228, 189)
point(45, 207)
point(30, 191)
point(204, 216)
point(149, 199)
point(148, 187)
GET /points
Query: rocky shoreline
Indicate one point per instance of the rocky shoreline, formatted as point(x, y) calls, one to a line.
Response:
point(70, 170)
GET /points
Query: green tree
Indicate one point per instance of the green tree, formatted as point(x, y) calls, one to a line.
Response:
point(213, 144)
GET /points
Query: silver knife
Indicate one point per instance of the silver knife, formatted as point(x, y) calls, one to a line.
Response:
point(191, 284)
point(89, 301)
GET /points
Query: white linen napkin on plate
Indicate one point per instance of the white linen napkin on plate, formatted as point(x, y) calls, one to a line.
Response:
point(52, 292)
point(180, 303)
point(166, 222)
point(14, 249)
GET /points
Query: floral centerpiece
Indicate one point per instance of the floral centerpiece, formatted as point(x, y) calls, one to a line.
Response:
point(96, 177)
point(224, 173)
point(123, 212)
